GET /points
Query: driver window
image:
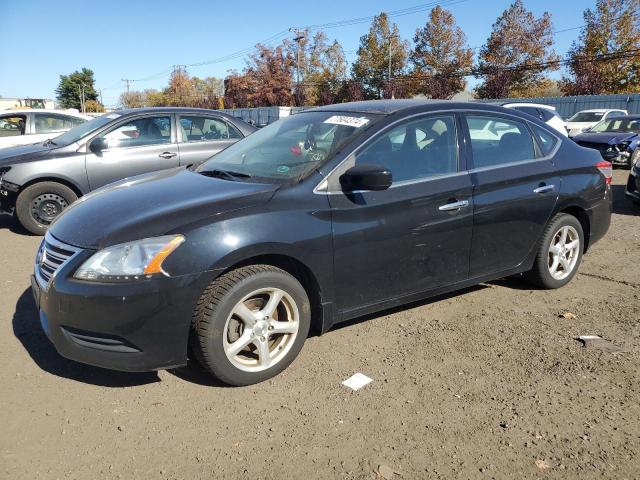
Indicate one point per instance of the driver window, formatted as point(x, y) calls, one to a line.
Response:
point(140, 132)
point(417, 149)
point(198, 129)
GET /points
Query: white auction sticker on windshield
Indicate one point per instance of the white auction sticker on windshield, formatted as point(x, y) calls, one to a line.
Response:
point(355, 122)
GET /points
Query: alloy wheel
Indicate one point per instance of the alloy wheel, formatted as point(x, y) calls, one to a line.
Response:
point(261, 329)
point(564, 251)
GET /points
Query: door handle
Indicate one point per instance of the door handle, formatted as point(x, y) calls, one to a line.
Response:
point(544, 189)
point(167, 155)
point(454, 206)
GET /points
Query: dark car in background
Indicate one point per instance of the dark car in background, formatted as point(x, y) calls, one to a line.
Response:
point(633, 183)
point(237, 259)
point(39, 181)
point(617, 139)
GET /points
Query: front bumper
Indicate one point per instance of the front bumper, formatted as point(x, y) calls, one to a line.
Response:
point(633, 185)
point(7, 198)
point(135, 327)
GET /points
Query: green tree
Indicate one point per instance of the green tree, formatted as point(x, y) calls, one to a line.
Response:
point(323, 68)
point(511, 59)
point(611, 29)
point(371, 67)
point(440, 57)
point(69, 91)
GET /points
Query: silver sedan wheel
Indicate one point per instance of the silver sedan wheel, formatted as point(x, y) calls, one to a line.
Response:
point(261, 329)
point(563, 252)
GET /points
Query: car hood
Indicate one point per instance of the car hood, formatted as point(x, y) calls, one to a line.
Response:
point(606, 138)
point(153, 204)
point(23, 153)
point(576, 125)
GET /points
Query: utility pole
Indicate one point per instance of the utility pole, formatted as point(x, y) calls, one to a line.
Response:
point(128, 82)
point(81, 95)
point(391, 37)
point(180, 69)
point(300, 36)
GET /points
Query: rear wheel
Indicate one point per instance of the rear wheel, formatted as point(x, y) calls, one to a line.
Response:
point(559, 254)
point(250, 324)
point(38, 205)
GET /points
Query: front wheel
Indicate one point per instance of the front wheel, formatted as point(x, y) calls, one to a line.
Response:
point(40, 204)
point(250, 324)
point(559, 254)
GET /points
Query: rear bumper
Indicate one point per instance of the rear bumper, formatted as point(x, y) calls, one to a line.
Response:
point(129, 327)
point(633, 185)
point(600, 218)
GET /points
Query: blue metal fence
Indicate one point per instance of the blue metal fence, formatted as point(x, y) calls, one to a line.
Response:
point(567, 106)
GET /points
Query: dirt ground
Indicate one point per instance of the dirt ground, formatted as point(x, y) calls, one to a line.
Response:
point(486, 383)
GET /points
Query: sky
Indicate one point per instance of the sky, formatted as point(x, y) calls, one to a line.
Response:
point(142, 39)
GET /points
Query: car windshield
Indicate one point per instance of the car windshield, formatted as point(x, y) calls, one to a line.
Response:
point(587, 117)
point(290, 148)
point(618, 125)
point(77, 133)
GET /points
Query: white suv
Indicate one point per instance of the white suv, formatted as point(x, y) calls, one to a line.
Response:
point(545, 113)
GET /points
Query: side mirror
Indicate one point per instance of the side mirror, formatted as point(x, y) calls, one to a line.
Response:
point(366, 177)
point(98, 144)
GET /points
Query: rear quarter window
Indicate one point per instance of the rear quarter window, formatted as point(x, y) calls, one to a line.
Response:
point(546, 140)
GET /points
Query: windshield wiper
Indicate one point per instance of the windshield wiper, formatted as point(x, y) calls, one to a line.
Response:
point(217, 173)
point(48, 142)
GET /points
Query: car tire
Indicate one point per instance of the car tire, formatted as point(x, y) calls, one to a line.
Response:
point(244, 307)
point(558, 260)
point(41, 203)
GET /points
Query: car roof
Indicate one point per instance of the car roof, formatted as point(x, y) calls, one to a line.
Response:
point(628, 117)
point(127, 111)
point(44, 110)
point(525, 104)
point(389, 107)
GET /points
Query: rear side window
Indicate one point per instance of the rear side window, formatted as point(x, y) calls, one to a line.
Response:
point(198, 129)
point(535, 112)
point(52, 123)
point(546, 140)
point(498, 141)
point(546, 115)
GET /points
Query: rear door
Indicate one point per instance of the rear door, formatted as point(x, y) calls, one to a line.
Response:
point(134, 146)
point(414, 236)
point(202, 136)
point(515, 189)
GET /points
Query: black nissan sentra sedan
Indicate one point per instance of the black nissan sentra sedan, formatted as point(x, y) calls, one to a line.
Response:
point(234, 261)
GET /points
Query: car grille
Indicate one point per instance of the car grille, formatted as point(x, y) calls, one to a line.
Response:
point(52, 255)
point(596, 146)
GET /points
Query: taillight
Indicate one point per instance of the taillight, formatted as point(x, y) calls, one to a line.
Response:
point(606, 169)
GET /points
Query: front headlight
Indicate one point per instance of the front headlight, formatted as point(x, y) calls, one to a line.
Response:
point(129, 261)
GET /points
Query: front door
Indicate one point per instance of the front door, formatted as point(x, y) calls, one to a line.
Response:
point(416, 235)
point(203, 136)
point(515, 190)
point(135, 146)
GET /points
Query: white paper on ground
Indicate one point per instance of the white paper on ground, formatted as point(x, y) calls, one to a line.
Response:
point(357, 381)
